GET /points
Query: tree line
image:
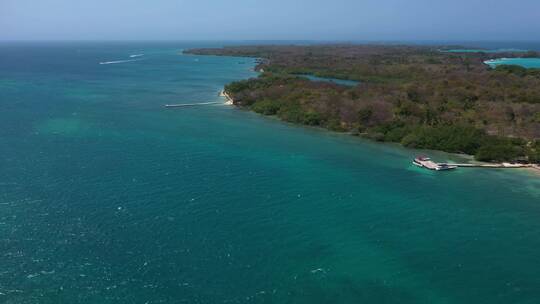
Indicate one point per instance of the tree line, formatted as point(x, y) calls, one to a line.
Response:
point(417, 96)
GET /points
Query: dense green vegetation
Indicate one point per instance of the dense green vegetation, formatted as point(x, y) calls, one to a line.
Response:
point(417, 96)
point(518, 70)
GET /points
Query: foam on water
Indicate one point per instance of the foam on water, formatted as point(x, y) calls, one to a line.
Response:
point(118, 61)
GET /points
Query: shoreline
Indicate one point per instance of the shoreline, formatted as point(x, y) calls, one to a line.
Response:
point(228, 100)
point(531, 168)
point(383, 109)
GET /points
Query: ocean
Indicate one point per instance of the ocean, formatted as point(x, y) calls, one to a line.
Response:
point(108, 197)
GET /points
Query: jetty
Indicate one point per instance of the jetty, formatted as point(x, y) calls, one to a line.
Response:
point(502, 165)
point(180, 105)
point(427, 163)
point(228, 101)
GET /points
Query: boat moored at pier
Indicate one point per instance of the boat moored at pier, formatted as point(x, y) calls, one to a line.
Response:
point(426, 162)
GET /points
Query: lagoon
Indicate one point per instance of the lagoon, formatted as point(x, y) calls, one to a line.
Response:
point(344, 82)
point(484, 51)
point(524, 62)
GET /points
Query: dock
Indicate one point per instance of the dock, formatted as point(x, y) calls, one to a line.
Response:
point(427, 163)
point(500, 166)
point(181, 105)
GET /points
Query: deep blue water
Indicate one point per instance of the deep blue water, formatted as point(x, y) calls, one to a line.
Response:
point(107, 197)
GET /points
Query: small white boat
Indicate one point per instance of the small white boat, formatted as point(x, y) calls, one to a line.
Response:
point(426, 162)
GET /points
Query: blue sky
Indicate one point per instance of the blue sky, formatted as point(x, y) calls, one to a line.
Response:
point(269, 20)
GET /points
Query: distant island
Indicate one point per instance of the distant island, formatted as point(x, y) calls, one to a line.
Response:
point(418, 96)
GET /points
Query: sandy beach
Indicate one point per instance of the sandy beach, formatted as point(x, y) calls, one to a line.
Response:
point(229, 100)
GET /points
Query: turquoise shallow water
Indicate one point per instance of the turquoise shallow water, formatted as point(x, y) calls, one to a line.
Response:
point(524, 62)
point(107, 197)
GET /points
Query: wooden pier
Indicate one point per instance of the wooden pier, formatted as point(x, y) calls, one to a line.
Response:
point(181, 105)
point(495, 166)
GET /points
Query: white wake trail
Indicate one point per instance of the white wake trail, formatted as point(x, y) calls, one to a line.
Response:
point(118, 61)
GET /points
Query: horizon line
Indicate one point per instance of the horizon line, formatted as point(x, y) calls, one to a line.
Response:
point(270, 40)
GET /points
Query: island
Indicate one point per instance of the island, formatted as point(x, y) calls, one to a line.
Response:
point(420, 96)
